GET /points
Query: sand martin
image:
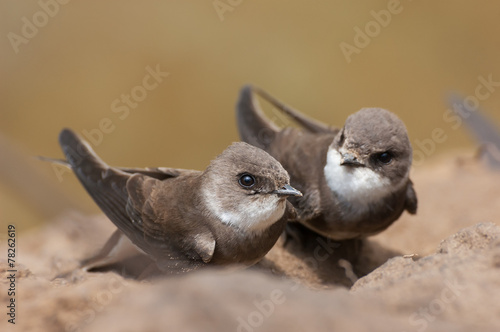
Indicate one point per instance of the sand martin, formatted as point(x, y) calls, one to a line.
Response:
point(355, 179)
point(231, 213)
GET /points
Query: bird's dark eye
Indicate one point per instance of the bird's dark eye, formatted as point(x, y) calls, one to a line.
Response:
point(247, 181)
point(384, 157)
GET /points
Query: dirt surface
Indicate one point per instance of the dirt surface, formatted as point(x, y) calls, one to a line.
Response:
point(436, 271)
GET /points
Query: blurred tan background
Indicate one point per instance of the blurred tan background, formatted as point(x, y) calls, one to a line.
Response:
point(72, 70)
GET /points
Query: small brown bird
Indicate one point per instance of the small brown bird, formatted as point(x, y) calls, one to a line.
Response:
point(231, 213)
point(355, 179)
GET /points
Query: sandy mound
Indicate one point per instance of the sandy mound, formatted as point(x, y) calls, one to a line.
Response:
point(437, 271)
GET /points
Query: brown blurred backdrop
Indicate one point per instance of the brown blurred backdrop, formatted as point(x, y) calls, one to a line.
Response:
point(68, 65)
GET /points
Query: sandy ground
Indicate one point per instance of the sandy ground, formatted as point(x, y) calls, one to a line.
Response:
point(436, 271)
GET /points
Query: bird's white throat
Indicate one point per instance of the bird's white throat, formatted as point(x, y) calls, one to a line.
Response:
point(354, 185)
point(254, 215)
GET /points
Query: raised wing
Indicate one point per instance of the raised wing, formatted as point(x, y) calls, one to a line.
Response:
point(253, 126)
point(481, 127)
point(309, 124)
point(256, 129)
point(124, 195)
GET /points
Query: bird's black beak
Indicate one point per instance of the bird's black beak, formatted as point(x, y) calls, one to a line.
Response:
point(287, 190)
point(348, 159)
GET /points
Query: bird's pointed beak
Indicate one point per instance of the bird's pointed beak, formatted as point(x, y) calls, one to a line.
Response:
point(287, 190)
point(349, 159)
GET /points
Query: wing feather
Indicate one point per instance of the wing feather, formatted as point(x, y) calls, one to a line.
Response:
point(124, 195)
